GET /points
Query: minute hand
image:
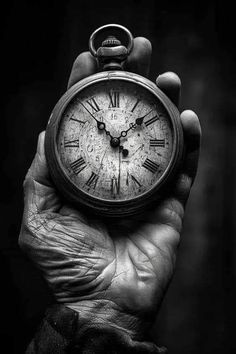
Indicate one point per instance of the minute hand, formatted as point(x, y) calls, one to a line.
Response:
point(100, 125)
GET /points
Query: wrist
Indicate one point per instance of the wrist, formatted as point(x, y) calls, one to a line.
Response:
point(64, 330)
point(107, 314)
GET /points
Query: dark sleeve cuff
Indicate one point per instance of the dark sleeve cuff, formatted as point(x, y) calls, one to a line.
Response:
point(59, 333)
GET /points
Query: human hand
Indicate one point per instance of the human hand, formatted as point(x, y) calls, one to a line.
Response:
point(111, 272)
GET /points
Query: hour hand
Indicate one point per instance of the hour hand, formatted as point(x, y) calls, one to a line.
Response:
point(139, 121)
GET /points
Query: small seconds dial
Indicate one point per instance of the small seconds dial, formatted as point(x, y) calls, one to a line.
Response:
point(115, 140)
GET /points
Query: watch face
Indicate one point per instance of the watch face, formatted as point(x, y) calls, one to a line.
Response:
point(115, 140)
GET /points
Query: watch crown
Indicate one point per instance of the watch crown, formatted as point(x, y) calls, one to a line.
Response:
point(111, 54)
point(111, 41)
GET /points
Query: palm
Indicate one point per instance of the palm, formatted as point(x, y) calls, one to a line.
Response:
point(138, 272)
point(126, 263)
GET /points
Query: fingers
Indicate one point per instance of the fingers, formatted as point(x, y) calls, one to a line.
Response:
point(69, 211)
point(138, 62)
point(140, 58)
point(192, 136)
point(170, 84)
point(84, 65)
point(39, 192)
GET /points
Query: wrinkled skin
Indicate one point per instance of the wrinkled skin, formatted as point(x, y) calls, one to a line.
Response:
point(110, 272)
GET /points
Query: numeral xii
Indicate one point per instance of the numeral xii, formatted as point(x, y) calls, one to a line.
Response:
point(114, 97)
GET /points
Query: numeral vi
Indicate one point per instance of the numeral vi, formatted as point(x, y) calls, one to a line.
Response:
point(115, 187)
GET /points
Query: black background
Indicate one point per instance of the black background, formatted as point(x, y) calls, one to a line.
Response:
point(197, 41)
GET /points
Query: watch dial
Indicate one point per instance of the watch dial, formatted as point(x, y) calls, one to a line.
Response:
point(115, 140)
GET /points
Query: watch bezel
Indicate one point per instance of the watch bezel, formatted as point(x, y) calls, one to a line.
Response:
point(69, 189)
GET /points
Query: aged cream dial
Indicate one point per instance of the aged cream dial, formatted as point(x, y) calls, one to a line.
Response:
point(115, 140)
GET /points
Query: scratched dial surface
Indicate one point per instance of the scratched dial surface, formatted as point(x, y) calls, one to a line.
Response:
point(115, 140)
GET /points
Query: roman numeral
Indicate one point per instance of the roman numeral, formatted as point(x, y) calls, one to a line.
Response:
point(93, 104)
point(115, 186)
point(92, 181)
point(114, 99)
point(78, 165)
point(71, 143)
point(157, 142)
point(136, 103)
point(135, 181)
point(150, 165)
point(151, 120)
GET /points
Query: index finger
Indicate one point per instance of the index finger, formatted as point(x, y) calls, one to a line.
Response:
point(192, 136)
point(138, 61)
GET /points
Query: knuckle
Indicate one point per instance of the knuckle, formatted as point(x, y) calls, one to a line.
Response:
point(183, 187)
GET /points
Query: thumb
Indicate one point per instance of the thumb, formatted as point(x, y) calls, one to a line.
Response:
point(40, 194)
point(38, 169)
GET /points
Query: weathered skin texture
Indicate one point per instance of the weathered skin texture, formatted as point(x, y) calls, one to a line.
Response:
point(111, 273)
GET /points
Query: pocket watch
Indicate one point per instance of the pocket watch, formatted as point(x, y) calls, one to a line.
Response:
point(114, 140)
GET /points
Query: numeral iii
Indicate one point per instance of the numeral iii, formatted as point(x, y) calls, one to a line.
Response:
point(157, 143)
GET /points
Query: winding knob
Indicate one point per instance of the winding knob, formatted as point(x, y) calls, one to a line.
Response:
point(111, 41)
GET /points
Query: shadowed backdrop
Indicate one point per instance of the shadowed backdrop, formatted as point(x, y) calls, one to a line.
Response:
point(40, 41)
